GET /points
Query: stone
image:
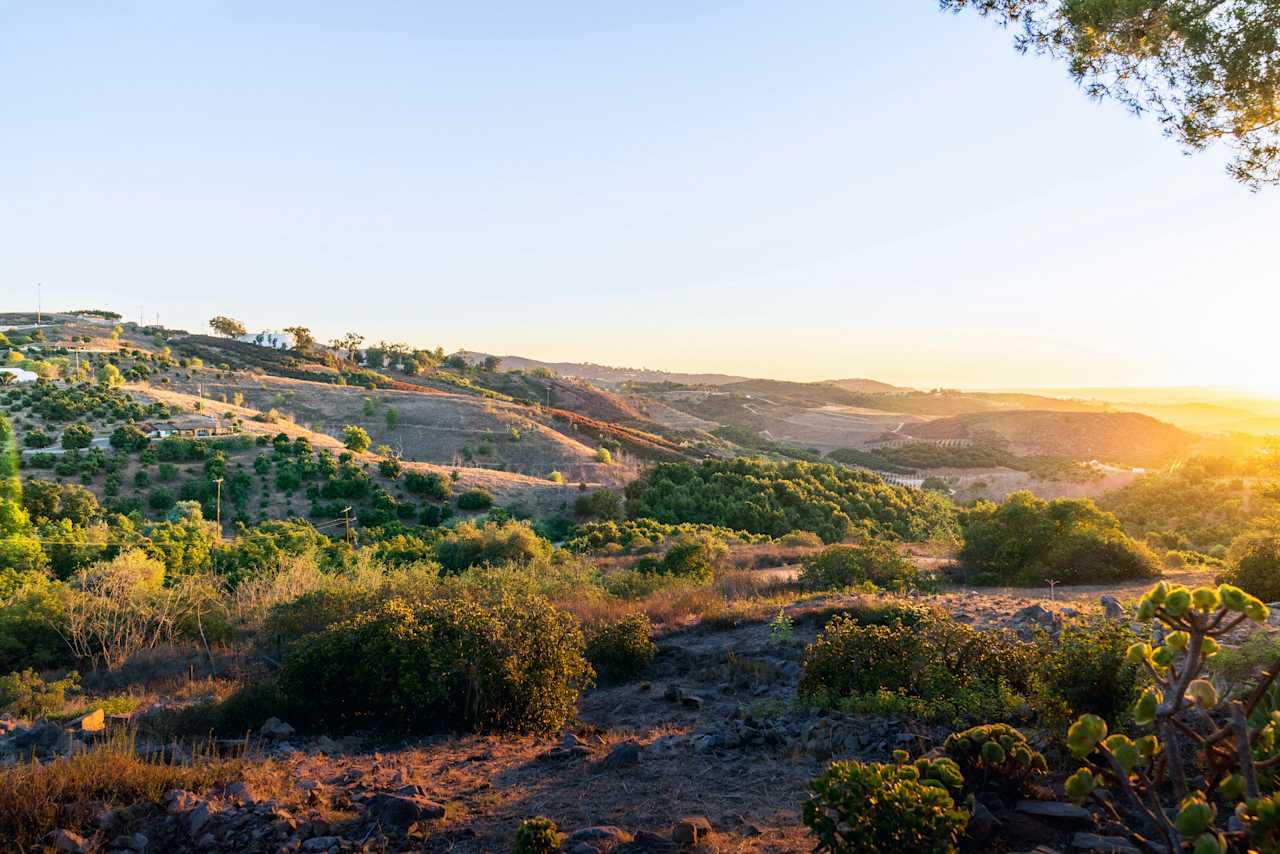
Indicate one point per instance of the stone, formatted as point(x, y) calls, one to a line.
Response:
point(320, 843)
point(198, 817)
point(275, 728)
point(139, 842)
point(1111, 607)
point(324, 744)
point(625, 754)
point(66, 842)
point(571, 740)
point(982, 824)
point(601, 833)
point(94, 721)
point(401, 812)
point(178, 800)
point(691, 701)
point(650, 841)
point(1058, 813)
point(585, 848)
point(672, 694)
point(691, 830)
point(1106, 844)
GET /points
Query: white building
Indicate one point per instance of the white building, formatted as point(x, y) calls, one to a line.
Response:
point(272, 338)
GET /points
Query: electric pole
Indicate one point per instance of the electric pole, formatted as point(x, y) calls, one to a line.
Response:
point(346, 520)
point(218, 505)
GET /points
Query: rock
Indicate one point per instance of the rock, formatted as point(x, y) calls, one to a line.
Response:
point(401, 812)
point(585, 848)
point(982, 824)
point(571, 740)
point(239, 793)
point(650, 841)
point(198, 817)
point(66, 842)
point(601, 833)
point(672, 694)
point(276, 728)
point(625, 754)
point(705, 743)
point(320, 843)
point(178, 800)
point(1107, 844)
point(1057, 812)
point(691, 701)
point(324, 744)
point(94, 721)
point(690, 830)
point(139, 842)
point(1111, 607)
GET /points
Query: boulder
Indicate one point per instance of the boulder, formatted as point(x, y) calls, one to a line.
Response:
point(625, 754)
point(1103, 844)
point(400, 812)
point(320, 843)
point(93, 721)
point(691, 830)
point(1057, 813)
point(1111, 607)
point(66, 842)
point(276, 728)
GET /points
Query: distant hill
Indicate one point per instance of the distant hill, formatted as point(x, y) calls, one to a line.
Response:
point(1126, 438)
point(866, 386)
point(604, 374)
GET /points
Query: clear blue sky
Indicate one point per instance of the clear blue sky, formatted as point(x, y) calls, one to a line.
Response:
point(793, 190)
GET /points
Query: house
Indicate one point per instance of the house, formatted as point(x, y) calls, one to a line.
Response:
point(189, 426)
point(272, 338)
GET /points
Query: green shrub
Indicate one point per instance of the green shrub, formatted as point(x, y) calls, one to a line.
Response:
point(878, 562)
point(1254, 563)
point(26, 695)
point(538, 835)
point(444, 665)
point(77, 436)
point(621, 649)
point(1084, 671)
point(431, 485)
point(470, 545)
point(1025, 540)
point(861, 807)
point(935, 668)
point(995, 755)
point(475, 499)
point(599, 504)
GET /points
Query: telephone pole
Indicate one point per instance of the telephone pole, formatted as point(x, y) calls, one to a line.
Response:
point(218, 505)
point(346, 521)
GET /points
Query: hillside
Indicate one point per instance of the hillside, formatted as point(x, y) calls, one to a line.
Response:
point(1125, 438)
point(604, 374)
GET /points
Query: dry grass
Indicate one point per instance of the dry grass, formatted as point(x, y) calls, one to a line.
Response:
point(36, 799)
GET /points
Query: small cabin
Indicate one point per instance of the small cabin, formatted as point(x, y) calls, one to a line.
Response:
point(191, 427)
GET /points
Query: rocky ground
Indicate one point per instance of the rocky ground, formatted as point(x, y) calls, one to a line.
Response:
point(709, 754)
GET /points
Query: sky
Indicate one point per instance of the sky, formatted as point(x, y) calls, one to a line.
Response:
point(800, 191)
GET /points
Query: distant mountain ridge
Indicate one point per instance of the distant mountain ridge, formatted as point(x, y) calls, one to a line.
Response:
point(607, 374)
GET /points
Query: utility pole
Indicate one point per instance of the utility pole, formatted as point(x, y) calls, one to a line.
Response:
point(346, 520)
point(218, 505)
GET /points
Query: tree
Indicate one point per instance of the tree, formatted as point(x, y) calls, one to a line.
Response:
point(227, 326)
point(1209, 70)
point(77, 436)
point(492, 364)
point(303, 340)
point(349, 344)
point(355, 438)
point(109, 375)
point(393, 418)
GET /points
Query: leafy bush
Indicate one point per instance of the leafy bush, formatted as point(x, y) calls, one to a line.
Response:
point(932, 668)
point(26, 695)
point(995, 755)
point(1025, 540)
point(599, 504)
point(444, 665)
point(1254, 563)
point(773, 498)
point(859, 807)
point(621, 649)
point(644, 533)
point(538, 835)
point(846, 566)
point(77, 436)
point(469, 545)
point(431, 485)
point(475, 499)
point(692, 556)
point(1084, 671)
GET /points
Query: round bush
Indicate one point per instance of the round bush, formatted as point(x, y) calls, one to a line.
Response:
point(444, 665)
point(1255, 564)
point(1084, 671)
point(858, 807)
point(935, 667)
point(845, 566)
point(475, 499)
point(538, 835)
point(621, 649)
point(470, 545)
point(995, 755)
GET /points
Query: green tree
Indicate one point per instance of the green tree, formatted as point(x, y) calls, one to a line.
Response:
point(227, 326)
point(393, 418)
point(1209, 70)
point(356, 438)
point(303, 341)
point(109, 375)
point(77, 436)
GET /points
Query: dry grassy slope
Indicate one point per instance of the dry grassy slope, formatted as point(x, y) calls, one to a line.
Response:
point(508, 487)
point(1119, 437)
point(432, 427)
